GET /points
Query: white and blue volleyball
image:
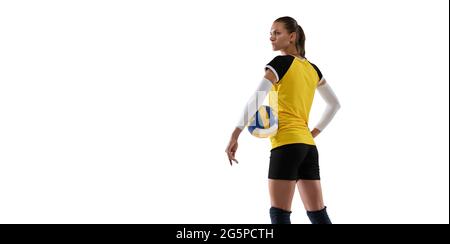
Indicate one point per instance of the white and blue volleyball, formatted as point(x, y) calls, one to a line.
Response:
point(264, 123)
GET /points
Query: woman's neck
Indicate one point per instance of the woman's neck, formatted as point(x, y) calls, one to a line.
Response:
point(295, 55)
point(291, 52)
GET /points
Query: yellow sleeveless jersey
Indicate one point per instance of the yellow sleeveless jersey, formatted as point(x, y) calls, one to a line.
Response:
point(292, 97)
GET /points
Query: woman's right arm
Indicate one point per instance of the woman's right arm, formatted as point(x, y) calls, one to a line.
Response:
point(253, 105)
point(332, 106)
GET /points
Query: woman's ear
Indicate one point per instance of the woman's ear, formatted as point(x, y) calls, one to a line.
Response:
point(293, 37)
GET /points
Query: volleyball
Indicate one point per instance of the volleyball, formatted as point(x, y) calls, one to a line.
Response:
point(264, 123)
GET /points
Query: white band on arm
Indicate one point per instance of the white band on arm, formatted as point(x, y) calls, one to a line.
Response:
point(332, 107)
point(255, 102)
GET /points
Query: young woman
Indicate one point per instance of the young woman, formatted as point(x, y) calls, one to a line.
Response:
point(294, 159)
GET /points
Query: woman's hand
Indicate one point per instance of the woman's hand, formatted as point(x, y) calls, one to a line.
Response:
point(231, 150)
point(233, 146)
point(315, 132)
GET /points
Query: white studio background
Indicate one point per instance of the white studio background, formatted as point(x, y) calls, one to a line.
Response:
point(120, 111)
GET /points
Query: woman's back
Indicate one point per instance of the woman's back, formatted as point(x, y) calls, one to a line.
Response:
point(292, 98)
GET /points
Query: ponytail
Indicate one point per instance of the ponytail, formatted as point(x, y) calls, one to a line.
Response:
point(300, 42)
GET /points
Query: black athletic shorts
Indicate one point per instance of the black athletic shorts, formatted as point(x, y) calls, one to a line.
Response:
point(294, 162)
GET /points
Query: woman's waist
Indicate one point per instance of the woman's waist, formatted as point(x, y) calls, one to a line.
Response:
point(295, 130)
point(293, 125)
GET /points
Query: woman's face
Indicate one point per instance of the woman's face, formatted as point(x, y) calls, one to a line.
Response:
point(279, 37)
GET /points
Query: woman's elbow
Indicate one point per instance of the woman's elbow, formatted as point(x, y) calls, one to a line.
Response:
point(336, 106)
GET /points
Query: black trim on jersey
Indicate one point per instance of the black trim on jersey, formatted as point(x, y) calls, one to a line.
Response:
point(281, 64)
point(317, 70)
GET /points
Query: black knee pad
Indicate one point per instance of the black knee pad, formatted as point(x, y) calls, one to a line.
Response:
point(280, 216)
point(319, 217)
